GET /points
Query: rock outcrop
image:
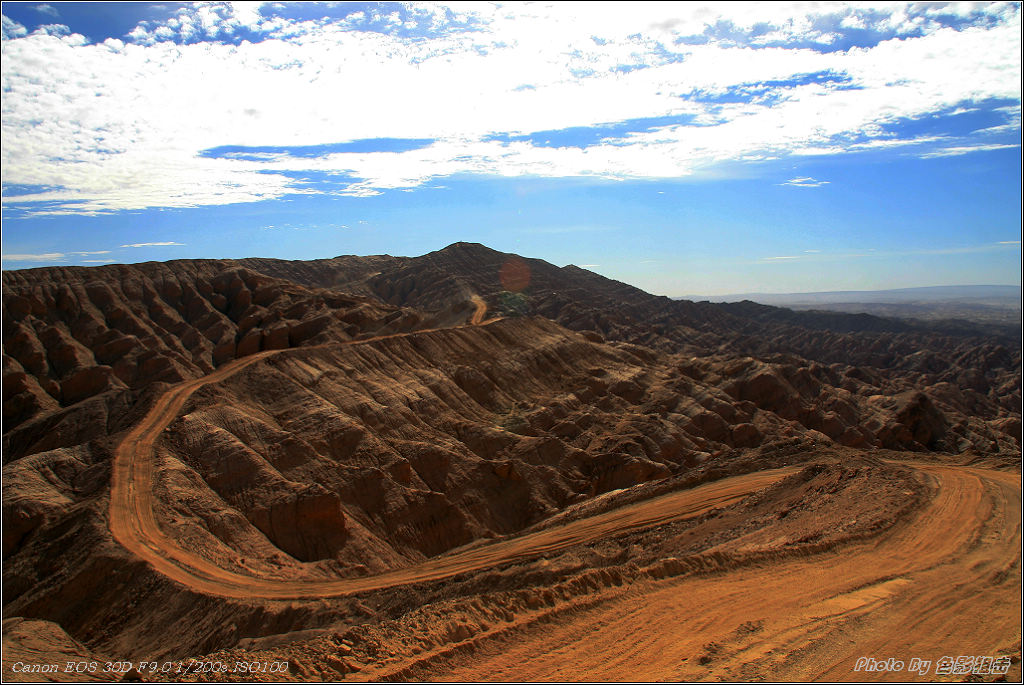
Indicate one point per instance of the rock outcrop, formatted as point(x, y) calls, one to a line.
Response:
point(385, 430)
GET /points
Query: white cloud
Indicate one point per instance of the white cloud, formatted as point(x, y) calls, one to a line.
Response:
point(48, 257)
point(47, 9)
point(1000, 129)
point(119, 125)
point(804, 182)
point(12, 29)
point(52, 30)
point(152, 244)
point(879, 143)
point(853, 21)
point(966, 149)
point(873, 253)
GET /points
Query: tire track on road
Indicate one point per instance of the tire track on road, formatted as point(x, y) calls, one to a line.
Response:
point(134, 525)
point(945, 583)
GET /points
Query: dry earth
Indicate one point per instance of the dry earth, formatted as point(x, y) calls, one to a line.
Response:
point(345, 469)
point(930, 571)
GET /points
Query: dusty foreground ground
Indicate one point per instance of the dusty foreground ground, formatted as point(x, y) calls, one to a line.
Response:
point(792, 573)
point(944, 584)
point(354, 469)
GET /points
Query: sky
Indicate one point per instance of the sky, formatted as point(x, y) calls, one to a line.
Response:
point(685, 148)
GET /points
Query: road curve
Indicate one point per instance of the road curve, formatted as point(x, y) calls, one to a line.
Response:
point(134, 525)
point(479, 311)
point(945, 584)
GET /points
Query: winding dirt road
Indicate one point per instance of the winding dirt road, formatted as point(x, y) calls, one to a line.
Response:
point(947, 584)
point(134, 525)
point(133, 520)
point(479, 311)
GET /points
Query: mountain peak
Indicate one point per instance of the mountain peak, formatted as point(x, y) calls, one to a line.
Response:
point(462, 246)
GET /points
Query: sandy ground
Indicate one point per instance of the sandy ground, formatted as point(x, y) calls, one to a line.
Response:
point(940, 585)
point(134, 524)
point(133, 521)
point(943, 583)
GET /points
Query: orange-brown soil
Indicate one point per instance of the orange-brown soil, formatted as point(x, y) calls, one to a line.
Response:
point(39, 651)
point(347, 469)
point(928, 572)
point(944, 584)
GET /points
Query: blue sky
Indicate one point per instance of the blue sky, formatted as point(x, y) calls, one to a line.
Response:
point(685, 148)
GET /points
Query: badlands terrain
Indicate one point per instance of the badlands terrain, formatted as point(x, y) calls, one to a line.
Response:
point(472, 465)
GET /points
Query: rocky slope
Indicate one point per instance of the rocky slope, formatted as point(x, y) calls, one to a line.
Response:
point(354, 450)
point(99, 337)
point(82, 345)
point(979, 359)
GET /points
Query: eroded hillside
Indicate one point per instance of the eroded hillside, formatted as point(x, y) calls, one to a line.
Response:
point(231, 440)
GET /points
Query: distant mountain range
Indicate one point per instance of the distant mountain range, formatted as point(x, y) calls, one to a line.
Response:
point(1007, 294)
point(990, 304)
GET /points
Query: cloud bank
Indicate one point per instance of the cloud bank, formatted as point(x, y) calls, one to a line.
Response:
point(604, 91)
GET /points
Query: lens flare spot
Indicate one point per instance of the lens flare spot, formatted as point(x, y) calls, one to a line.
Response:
point(514, 275)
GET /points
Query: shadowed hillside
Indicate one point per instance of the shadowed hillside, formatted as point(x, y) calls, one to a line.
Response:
point(237, 427)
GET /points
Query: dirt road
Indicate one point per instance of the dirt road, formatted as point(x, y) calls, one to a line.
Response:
point(479, 312)
point(133, 521)
point(946, 584)
point(134, 525)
